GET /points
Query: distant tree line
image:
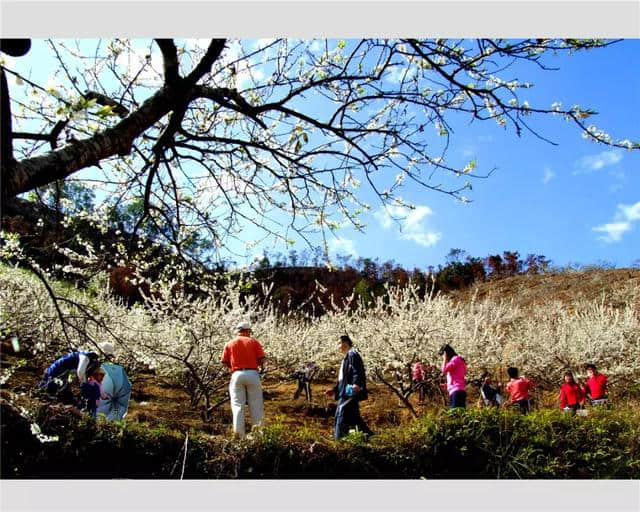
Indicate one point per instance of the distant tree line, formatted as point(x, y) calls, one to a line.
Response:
point(368, 278)
point(297, 279)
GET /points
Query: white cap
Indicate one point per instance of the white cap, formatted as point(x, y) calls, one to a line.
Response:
point(106, 347)
point(244, 325)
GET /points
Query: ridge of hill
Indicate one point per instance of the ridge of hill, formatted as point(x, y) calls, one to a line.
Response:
point(293, 286)
point(613, 286)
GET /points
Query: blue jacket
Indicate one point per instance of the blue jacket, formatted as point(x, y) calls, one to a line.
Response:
point(91, 393)
point(68, 362)
point(352, 371)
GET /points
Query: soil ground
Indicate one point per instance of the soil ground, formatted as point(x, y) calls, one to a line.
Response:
point(159, 402)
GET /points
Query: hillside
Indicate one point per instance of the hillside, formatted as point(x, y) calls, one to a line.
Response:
point(161, 415)
point(613, 286)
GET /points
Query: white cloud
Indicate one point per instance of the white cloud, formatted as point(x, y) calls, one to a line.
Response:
point(631, 212)
point(411, 223)
point(623, 222)
point(316, 46)
point(592, 163)
point(613, 231)
point(399, 73)
point(468, 152)
point(424, 239)
point(548, 175)
point(340, 246)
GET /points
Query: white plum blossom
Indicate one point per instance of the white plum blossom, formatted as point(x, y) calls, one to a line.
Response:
point(391, 331)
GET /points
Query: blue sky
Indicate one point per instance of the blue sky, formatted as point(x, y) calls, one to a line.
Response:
point(574, 202)
point(577, 202)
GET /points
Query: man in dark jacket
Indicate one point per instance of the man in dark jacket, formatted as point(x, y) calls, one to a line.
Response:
point(350, 390)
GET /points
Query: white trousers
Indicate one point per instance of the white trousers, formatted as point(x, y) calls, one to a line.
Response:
point(245, 387)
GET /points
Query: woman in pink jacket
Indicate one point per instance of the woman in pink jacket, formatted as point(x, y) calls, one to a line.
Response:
point(455, 369)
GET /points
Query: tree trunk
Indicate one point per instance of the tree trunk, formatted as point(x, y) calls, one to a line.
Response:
point(30, 173)
point(405, 400)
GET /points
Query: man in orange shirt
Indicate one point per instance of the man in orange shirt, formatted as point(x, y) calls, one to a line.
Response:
point(243, 355)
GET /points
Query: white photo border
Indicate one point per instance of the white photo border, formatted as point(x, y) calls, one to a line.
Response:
point(303, 19)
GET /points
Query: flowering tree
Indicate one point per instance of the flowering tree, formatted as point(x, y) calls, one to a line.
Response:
point(206, 138)
point(193, 141)
point(182, 338)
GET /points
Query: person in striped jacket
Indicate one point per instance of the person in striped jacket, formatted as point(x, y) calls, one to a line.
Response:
point(82, 363)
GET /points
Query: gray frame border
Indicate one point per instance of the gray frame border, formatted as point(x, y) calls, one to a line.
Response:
point(331, 18)
point(322, 495)
point(344, 19)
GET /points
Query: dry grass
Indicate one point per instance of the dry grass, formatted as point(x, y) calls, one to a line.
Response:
point(613, 286)
point(158, 401)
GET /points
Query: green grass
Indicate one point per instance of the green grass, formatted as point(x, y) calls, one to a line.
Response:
point(473, 444)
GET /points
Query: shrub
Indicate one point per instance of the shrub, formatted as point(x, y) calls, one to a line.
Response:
point(468, 444)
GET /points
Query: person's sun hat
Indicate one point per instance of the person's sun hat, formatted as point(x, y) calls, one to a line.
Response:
point(245, 325)
point(106, 347)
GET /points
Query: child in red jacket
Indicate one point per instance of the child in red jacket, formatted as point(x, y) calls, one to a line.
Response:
point(571, 395)
point(596, 386)
point(518, 389)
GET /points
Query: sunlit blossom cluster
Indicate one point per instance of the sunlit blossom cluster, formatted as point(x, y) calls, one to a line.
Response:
point(182, 337)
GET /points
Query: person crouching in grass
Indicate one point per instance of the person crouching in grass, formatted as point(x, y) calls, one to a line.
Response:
point(518, 389)
point(491, 396)
point(91, 389)
point(571, 395)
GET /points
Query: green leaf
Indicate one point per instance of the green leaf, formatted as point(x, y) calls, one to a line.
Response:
point(470, 166)
point(105, 111)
